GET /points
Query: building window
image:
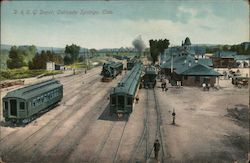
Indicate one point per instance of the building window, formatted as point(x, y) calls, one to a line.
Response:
point(185, 77)
point(21, 105)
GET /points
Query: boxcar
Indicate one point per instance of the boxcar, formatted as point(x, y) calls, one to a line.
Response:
point(149, 77)
point(122, 97)
point(21, 105)
point(111, 70)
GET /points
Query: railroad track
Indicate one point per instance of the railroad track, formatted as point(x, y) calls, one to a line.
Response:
point(120, 140)
point(143, 136)
point(49, 123)
point(65, 98)
point(79, 131)
point(100, 149)
point(159, 133)
point(146, 137)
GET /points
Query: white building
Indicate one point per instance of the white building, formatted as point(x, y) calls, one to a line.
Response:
point(50, 65)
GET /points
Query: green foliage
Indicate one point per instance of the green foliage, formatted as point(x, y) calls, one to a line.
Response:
point(20, 56)
point(157, 47)
point(25, 73)
point(72, 52)
point(39, 61)
point(4, 57)
point(240, 49)
point(93, 53)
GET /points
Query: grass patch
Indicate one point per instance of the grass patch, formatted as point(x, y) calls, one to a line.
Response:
point(25, 73)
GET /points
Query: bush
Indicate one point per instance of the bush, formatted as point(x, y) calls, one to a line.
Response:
point(25, 73)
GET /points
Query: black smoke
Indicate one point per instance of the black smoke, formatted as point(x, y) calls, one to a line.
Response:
point(139, 44)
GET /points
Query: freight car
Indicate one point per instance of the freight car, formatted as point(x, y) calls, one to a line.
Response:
point(122, 97)
point(22, 105)
point(149, 77)
point(110, 70)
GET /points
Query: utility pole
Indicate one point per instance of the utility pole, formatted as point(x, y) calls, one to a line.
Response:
point(172, 60)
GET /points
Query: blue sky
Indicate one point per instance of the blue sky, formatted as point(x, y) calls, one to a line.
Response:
point(110, 24)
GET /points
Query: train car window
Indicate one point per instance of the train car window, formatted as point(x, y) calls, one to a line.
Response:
point(5, 105)
point(129, 101)
point(113, 100)
point(34, 102)
point(38, 100)
point(21, 105)
point(45, 97)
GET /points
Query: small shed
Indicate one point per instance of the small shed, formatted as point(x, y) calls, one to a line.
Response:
point(59, 67)
point(50, 65)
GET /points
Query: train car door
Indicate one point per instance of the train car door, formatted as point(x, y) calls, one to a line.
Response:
point(13, 108)
point(121, 103)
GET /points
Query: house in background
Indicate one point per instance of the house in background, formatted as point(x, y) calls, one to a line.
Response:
point(195, 75)
point(190, 71)
point(188, 65)
point(224, 59)
point(242, 61)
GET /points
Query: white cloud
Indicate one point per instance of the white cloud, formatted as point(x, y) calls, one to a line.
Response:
point(100, 33)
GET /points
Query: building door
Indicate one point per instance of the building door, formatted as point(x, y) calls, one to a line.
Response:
point(13, 108)
point(121, 103)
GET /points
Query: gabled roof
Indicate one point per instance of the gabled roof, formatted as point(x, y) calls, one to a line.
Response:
point(129, 83)
point(198, 70)
point(242, 57)
point(34, 90)
point(225, 54)
point(180, 61)
point(205, 61)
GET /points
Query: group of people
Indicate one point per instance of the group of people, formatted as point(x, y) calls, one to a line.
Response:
point(206, 86)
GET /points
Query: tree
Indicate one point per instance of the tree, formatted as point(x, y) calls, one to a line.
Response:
point(67, 59)
point(92, 52)
point(73, 50)
point(20, 56)
point(157, 47)
point(16, 58)
point(40, 60)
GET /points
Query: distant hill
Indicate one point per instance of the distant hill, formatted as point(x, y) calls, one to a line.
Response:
point(40, 48)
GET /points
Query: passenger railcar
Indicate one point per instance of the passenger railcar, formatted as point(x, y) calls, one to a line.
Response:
point(110, 70)
point(21, 105)
point(149, 77)
point(122, 97)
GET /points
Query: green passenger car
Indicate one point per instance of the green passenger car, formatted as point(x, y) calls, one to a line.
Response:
point(122, 97)
point(21, 105)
